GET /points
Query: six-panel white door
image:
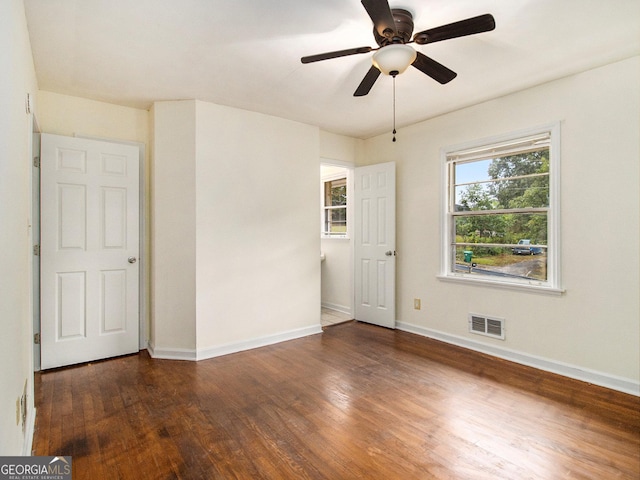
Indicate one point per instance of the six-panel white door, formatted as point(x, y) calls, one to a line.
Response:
point(375, 244)
point(89, 249)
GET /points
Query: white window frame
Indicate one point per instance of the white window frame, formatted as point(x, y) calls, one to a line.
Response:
point(347, 174)
point(447, 273)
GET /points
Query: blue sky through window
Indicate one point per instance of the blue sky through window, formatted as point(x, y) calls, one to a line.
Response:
point(472, 171)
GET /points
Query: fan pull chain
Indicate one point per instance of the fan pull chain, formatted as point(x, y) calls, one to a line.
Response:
point(394, 108)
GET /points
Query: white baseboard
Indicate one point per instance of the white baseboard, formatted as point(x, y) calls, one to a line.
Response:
point(337, 308)
point(212, 352)
point(624, 385)
point(205, 353)
point(29, 431)
point(171, 353)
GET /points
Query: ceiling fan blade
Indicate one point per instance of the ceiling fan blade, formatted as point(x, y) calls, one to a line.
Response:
point(339, 53)
point(470, 26)
point(367, 82)
point(435, 70)
point(381, 16)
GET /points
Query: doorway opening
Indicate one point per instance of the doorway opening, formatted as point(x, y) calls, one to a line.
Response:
point(336, 220)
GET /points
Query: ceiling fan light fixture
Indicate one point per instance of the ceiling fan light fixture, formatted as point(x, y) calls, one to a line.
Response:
point(394, 59)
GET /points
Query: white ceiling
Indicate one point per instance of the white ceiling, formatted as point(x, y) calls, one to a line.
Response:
point(246, 53)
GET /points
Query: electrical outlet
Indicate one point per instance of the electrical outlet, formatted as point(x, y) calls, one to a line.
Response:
point(416, 303)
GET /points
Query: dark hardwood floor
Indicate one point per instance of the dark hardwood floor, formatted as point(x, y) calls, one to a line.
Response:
point(357, 402)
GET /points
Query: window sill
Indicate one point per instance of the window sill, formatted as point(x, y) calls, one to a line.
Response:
point(529, 288)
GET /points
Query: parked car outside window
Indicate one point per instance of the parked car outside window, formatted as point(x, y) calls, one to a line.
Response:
point(524, 248)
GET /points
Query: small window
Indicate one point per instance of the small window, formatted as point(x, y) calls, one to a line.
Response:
point(501, 210)
point(335, 207)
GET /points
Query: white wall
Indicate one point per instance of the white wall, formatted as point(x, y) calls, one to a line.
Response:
point(16, 357)
point(595, 325)
point(235, 233)
point(258, 268)
point(67, 115)
point(337, 274)
point(339, 147)
point(173, 227)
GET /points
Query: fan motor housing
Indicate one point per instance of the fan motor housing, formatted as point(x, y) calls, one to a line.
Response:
point(404, 27)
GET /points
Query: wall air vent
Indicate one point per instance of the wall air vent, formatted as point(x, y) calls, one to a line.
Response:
point(483, 325)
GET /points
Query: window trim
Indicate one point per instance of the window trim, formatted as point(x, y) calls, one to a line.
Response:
point(347, 175)
point(553, 283)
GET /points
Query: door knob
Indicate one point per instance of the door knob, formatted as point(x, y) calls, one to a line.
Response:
point(389, 253)
point(132, 259)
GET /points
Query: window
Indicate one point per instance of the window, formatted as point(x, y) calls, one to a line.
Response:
point(334, 207)
point(501, 210)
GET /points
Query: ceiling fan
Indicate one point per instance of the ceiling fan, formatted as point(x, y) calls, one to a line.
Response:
point(392, 30)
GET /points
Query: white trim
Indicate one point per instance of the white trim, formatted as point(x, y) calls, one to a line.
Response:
point(29, 432)
point(337, 308)
point(554, 281)
point(347, 174)
point(337, 163)
point(203, 354)
point(171, 353)
point(334, 176)
point(34, 238)
point(482, 282)
point(211, 352)
point(620, 384)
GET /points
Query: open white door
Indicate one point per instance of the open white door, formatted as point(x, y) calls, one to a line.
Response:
point(89, 247)
point(375, 244)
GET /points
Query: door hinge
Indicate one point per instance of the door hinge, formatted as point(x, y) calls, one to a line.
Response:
point(36, 162)
point(36, 250)
point(36, 338)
